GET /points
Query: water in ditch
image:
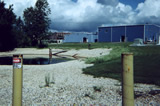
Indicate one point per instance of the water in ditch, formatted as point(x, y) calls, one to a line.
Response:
point(34, 61)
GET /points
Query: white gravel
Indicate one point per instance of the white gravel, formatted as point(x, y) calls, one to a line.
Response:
point(87, 53)
point(71, 86)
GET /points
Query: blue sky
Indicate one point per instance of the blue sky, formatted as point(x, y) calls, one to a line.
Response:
point(74, 0)
point(87, 15)
point(132, 3)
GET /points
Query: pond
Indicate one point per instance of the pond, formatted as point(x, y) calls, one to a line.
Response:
point(34, 61)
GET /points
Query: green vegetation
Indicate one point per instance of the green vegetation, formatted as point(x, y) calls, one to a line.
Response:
point(69, 46)
point(97, 88)
point(37, 21)
point(85, 45)
point(48, 80)
point(89, 95)
point(17, 33)
point(146, 63)
point(7, 20)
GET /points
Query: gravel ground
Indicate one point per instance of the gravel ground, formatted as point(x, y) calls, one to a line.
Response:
point(70, 85)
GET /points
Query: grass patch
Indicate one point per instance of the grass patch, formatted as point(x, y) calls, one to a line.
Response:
point(85, 45)
point(146, 61)
point(146, 64)
point(69, 46)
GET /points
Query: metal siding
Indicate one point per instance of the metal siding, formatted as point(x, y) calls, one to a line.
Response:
point(78, 37)
point(93, 38)
point(117, 32)
point(151, 32)
point(104, 34)
point(133, 32)
point(72, 38)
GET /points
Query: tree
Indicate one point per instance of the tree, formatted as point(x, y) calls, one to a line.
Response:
point(7, 20)
point(36, 21)
point(21, 39)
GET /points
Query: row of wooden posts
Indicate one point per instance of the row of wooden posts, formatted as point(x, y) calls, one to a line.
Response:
point(127, 79)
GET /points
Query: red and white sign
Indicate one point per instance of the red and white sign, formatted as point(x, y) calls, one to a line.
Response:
point(16, 60)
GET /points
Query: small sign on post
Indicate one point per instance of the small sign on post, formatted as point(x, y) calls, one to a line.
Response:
point(17, 63)
point(17, 80)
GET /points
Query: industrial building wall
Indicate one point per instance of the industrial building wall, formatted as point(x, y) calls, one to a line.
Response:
point(104, 34)
point(72, 38)
point(151, 32)
point(80, 37)
point(133, 32)
point(118, 33)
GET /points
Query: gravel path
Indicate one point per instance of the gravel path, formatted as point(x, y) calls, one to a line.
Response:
point(70, 87)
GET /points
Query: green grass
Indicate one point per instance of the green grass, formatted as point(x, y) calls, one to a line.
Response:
point(69, 46)
point(146, 61)
point(146, 64)
point(85, 45)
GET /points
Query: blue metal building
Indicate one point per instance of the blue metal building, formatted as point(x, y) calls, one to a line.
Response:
point(128, 33)
point(80, 37)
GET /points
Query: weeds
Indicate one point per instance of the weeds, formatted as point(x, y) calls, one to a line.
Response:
point(97, 89)
point(89, 96)
point(48, 81)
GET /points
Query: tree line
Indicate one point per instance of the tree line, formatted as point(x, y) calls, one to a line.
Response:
point(27, 31)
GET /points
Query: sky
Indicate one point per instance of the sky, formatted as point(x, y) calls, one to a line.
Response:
point(88, 15)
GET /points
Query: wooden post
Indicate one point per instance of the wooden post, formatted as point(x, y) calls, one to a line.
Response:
point(127, 80)
point(17, 80)
point(50, 55)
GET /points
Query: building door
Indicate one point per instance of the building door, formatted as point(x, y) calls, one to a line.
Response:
point(122, 38)
point(85, 40)
point(96, 40)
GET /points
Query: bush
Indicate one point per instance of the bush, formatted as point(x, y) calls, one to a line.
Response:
point(42, 45)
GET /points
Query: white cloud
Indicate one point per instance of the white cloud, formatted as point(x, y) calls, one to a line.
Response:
point(20, 5)
point(149, 12)
point(87, 15)
point(149, 8)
